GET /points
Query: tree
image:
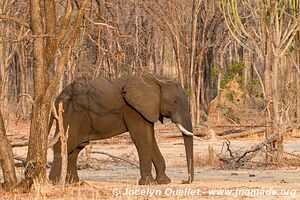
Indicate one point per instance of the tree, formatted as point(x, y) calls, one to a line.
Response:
point(192, 27)
point(268, 28)
point(6, 157)
point(205, 31)
point(52, 37)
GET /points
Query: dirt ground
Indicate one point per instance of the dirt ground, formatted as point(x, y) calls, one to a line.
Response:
point(107, 178)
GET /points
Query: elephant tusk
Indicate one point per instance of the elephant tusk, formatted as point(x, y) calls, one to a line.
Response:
point(183, 130)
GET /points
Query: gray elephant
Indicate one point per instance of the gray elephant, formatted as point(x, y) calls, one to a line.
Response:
point(99, 109)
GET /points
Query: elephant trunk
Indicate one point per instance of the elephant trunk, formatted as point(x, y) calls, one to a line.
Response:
point(187, 134)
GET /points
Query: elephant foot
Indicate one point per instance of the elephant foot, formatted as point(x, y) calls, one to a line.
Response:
point(69, 179)
point(163, 179)
point(186, 182)
point(72, 179)
point(53, 180)
point(53, 177)
point(149, 180)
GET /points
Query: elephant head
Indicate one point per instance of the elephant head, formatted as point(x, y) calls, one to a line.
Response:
point(155, 99)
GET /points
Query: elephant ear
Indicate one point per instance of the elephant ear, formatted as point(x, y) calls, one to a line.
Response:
point(143, 94)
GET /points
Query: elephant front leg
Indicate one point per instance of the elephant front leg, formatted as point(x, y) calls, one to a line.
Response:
point(144, 148)
point(145, 170)
point(141, 135)
point(159, 164)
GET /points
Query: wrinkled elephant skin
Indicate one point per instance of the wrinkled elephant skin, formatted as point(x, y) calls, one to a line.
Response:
point(99, 109)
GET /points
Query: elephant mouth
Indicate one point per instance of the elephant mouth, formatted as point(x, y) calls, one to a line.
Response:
point(183, 130)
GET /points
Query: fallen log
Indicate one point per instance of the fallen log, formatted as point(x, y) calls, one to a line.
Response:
point(19, 144)
point(231, 131)
point(242, 134)
point(238, 125)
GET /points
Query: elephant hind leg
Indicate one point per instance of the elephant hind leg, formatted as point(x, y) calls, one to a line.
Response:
point(57, 162)
point(72, 175)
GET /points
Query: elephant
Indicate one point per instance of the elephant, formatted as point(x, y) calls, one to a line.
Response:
point(102, 108)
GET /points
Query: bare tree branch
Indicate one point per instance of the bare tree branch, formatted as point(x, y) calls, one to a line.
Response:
point(16, 20)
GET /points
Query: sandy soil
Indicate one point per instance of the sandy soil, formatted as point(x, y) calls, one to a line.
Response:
point(107, 178)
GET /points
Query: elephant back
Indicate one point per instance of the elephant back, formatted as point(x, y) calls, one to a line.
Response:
point(98, 97)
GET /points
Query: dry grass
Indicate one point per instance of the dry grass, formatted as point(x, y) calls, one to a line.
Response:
point(93, 191)
point(77, 191)
point(48, 191)
point(173, 150)
point(206, 160)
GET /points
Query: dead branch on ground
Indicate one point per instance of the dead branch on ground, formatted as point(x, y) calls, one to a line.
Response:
point(291, 154)
point(237, 158)
point(24, 162)
point(116, 157)
point(19, 158)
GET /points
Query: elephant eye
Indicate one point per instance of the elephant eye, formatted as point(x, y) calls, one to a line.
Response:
point(175, 100)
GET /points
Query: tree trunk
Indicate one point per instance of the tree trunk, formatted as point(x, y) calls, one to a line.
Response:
point(194, 31)
point(275, 100)
point(246, 59)
point(4, 73)
point(23, 83)
point(6, 157)
point(288, 83)
point(162, 59)
point(37, 151)
point(266, 51)
point(298, 96)
point(298, 76)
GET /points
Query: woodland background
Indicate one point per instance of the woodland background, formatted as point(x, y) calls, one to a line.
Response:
point(236, 59)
